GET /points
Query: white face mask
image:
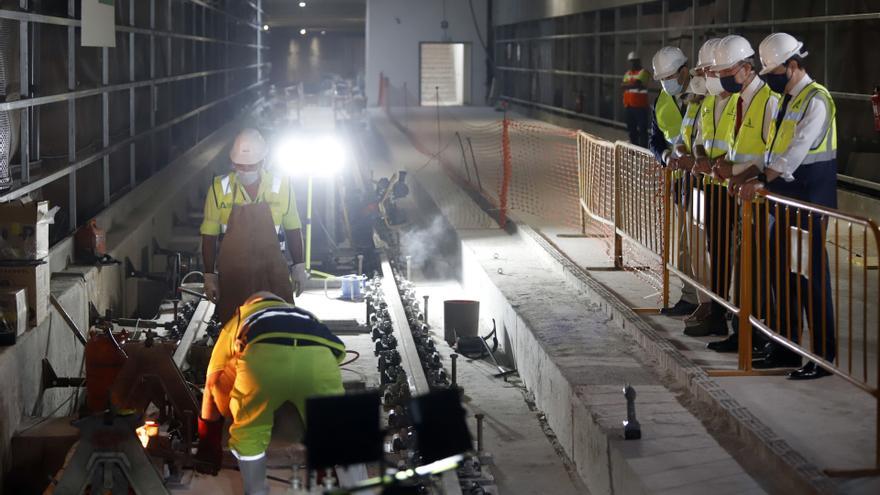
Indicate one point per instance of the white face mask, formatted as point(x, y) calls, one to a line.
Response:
point(671, 86)
point(713, 86)
point(248, 178)
point(697, 85)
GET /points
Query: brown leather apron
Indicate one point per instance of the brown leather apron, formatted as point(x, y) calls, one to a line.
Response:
point(250, 259)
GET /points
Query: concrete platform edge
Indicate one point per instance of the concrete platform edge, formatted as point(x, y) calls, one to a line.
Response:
point(803, 476)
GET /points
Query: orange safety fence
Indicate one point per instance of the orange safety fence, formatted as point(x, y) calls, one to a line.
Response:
point(520, 166)
point(807, 276)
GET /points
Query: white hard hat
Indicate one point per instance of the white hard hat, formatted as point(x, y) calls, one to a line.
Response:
point(667, 61)
point(249, 148)
point(632, 56)
point(706, 57)
point(730, 51)
point(777, 48)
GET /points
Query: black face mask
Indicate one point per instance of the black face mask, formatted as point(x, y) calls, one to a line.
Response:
point(730, 85)
point(777, 82)
point(636, 65)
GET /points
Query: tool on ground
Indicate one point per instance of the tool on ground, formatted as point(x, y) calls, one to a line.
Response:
point(502, 373)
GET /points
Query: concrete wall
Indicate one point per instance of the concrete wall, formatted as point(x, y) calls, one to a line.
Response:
point(396, 27)
point(308, 58)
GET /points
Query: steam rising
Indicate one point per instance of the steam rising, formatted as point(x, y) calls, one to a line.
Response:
point(433, 249)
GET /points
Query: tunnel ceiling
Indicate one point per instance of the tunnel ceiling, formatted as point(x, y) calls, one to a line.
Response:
point(332, 15)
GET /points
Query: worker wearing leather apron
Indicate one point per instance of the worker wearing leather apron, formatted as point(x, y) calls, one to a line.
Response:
point(268, 353)
point(252, 215)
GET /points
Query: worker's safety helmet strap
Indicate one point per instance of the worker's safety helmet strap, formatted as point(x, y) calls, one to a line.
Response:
point(730, 51)
point(667, 61)
point(249, 148)
point(777, 49)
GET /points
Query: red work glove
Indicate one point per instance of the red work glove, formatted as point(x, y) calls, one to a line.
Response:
point(209, 456)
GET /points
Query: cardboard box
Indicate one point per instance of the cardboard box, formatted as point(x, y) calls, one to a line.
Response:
point(35, 279)
point(13, 306)
point(24, 229)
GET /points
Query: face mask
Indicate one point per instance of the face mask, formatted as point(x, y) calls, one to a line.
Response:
point(697, 85)
point(729, 83)
point(635, 65)
point(713, 86)
point(777, 82)
point(248, 178)
point(671, 86)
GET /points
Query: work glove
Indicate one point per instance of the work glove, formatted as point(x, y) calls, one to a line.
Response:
point(212, 288)
point(209, 456)
point(299, 277)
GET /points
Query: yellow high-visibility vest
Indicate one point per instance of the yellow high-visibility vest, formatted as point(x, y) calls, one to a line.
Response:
point(689, 123)
point(749, 144)
point(717, 140)
point(668, 115)
point(781, 137)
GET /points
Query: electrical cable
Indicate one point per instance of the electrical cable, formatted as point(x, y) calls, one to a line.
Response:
point(356, 356)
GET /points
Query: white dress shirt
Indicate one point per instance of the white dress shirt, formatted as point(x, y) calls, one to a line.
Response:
point(747, 95)
point(808, 134)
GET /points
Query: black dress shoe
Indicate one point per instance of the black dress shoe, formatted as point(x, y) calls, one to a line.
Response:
point(777, 361)
point(730, 344)
point(681, 308)
point(809, 372)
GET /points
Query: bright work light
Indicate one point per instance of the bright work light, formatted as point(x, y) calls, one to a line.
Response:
point(303, 155)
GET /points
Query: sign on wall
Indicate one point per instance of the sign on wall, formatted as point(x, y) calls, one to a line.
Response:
point(98, 23)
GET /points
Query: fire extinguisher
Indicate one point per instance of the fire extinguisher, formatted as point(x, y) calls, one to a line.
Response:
point(875, 102)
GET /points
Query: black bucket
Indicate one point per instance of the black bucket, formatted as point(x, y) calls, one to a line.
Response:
point(461, 318)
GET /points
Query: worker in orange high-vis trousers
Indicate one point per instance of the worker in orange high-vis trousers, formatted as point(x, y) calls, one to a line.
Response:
point(635, 101)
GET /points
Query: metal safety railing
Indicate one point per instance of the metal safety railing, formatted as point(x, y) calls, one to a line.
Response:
point(801, 276)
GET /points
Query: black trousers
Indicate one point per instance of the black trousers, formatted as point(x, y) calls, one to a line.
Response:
point(815, 183)
point(720, 221)
point(638, 119)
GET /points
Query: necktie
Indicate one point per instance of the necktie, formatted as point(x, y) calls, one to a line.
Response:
point(782, 108)
point(739, 114)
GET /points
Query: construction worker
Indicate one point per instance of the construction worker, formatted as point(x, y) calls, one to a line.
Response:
point(712, 137)
point(252, 215)
point(268, 353)
point(752, 116)
point(668, 122)
point(802, 164)
point(635, 100)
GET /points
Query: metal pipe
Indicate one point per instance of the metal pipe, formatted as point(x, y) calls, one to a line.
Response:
point(425, 309)
point(454, 369)
point(67, 319)
point(479, 417)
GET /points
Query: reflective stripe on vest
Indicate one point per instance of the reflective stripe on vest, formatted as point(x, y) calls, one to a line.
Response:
point(717, 139)
point(688, 124)
point(272, 319)
point(826, 150)
point(227, 196)
point(634, 97)
point(749, 145)
point(668, 116)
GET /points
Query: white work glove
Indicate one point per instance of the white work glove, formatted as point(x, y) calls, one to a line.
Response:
point(212, 289)
point(299, 277)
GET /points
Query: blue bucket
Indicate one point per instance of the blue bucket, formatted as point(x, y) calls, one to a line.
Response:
point(352, 287)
